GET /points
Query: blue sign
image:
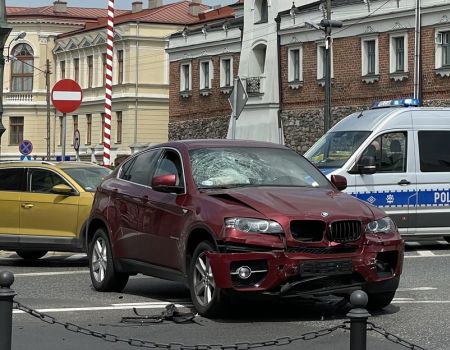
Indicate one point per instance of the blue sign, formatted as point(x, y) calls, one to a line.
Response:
point(22, 157)
point(26, 147)
point(59, 158)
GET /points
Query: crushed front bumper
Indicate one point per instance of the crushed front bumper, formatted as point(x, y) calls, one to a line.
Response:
point(374, 267)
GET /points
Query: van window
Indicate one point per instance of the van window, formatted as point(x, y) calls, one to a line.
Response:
point(389, 152)
point(434, 151)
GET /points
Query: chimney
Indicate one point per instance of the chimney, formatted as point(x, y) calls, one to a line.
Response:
point(194, 7)
point(154, 3)
point(136, 6)
point(59, 6)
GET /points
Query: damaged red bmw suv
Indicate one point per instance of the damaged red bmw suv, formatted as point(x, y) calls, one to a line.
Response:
point(231, 217)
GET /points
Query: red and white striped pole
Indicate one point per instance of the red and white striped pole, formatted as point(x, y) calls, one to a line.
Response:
point(108, 86)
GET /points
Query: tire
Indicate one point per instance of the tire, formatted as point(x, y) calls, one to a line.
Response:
point(377, 301)
point(208, 300)
point(104, 277)
point(31, 254)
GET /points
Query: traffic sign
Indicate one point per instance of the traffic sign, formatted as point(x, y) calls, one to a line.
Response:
point(26, 147)
point(76, 139)
point(238, 98)
point(66, 95)
point(25, 158)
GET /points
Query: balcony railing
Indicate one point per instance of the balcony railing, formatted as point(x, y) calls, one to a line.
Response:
point(18, 97)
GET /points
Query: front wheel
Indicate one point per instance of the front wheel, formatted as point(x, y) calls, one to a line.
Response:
point(104, 277)
point(377, 301)
point(206, 297)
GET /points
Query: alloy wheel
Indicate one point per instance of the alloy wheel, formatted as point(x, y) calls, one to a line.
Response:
point(99, 259)
point(204, 284)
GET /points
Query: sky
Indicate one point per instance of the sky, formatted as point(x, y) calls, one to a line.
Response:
point(119, 4)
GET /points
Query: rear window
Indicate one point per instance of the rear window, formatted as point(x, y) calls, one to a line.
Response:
point(12, 179)
point(434, 151)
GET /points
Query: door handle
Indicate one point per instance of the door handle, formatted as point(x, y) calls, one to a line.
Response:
point(27, 206)
point(404, 182)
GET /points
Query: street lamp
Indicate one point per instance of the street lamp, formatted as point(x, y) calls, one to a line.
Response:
point(47, 86)
point(5, 29)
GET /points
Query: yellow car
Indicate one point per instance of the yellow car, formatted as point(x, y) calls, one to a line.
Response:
point(44, 206)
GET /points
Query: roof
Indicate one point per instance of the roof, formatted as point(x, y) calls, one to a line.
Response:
point(218, 143)
point(48, 12)
point(49, 164)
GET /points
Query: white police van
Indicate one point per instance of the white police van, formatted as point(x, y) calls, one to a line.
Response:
point(395, 156)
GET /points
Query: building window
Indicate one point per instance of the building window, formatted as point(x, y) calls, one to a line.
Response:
point(88, 129)
point(261, 11)
point(226, 73)
point(102, 130)
point(398, 54)
point(120, 67)
point(16, 125)
point(369, 48)
point(119, 127)
point(295, 64)
point(62, 67)
point(90, 63)
point(104, 68)
point(185, 77)
point(22, 68)
point(76, 69)
point(205, 76)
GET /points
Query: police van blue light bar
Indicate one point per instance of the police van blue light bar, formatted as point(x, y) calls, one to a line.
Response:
point(403, 102)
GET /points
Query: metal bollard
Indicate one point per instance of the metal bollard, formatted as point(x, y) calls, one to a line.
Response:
point(6, 306)
point(358, 320)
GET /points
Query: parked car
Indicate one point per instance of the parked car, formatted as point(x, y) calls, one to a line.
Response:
point(239, 216)
point(44, 206)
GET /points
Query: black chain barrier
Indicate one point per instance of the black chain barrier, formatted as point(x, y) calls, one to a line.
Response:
point(238, 346)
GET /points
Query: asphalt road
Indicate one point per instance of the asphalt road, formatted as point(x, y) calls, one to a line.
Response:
point(59, 286)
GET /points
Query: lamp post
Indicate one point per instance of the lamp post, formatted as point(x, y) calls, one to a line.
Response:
point(5, 29)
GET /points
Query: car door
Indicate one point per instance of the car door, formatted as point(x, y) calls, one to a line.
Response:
point(127, 199)
point(393, 186)
point(43, 213)
point(12, 185)
point(163, 214)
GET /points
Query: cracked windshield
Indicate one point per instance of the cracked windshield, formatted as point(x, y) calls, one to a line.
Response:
point(234, 167)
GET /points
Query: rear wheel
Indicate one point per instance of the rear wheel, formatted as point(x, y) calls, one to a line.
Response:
point(206, 297)
point(104, 277)
point(31, 254)
point(378, 301)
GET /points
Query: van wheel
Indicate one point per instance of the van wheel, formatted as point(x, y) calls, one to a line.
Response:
point(31, 254)
point(377, 301)
point(104, 277)
point(206, 297)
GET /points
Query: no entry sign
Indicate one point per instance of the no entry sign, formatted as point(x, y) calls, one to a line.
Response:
point(66, 95)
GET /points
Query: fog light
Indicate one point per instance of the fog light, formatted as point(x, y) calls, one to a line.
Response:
point(244, 272)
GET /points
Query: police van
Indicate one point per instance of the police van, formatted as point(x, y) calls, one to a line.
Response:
point(395, 156)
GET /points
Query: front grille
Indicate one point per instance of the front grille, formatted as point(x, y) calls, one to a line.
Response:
point(344, 231)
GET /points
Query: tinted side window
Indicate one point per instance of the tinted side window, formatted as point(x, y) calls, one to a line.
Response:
point(170, 163)
point(42, 181)
point(12, 179)
point(434, 151)
point(142, 168)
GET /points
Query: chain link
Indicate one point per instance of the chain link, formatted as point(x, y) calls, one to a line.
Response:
point(392, 337)
point(139, 343)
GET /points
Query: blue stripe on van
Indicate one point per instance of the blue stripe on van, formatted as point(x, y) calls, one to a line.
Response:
point(403, 198)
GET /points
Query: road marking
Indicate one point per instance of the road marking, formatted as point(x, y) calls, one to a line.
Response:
point(55, 273)
point(415, 288)
point(443, 242)
point(425, 253)
point(421, 301)
point(151, 305)
point(413, 243)
point(427, 256)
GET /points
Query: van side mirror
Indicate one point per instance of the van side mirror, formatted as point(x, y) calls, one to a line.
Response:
point(367, 165)
point(339, 181)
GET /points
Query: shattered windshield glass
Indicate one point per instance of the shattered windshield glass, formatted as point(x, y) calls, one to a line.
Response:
point(253, 166)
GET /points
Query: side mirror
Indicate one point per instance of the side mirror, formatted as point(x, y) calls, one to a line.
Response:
point(166, 183)
point(339, 181)
point(62, 189)
point(366, 165)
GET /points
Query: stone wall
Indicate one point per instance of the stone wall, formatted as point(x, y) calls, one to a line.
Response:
point(203, 128)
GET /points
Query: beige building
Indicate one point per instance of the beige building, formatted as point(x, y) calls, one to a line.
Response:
point(74, 41)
